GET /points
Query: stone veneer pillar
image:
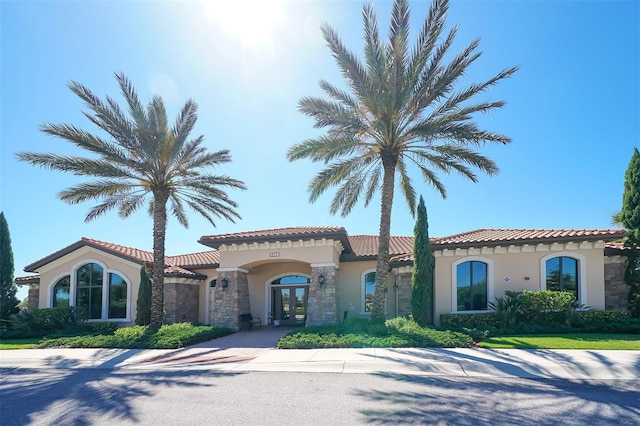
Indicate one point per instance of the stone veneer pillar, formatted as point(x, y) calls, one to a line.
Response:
point(34, 297)
point(615, 289)
point(322, 305)
point(228, 303)
point(404, 294)
point(169, 302)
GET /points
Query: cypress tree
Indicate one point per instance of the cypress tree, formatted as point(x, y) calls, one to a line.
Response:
point(143, 303)
point(422, 278)
point(8, 300)
point(629, 217)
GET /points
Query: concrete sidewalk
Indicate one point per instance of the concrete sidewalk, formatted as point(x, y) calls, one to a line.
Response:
point(558, 364)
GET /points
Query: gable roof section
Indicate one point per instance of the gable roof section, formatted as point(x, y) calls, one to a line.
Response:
point(177, 266)
point(279, 234)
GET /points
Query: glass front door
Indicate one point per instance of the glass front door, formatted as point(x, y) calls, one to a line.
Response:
point(289, 304)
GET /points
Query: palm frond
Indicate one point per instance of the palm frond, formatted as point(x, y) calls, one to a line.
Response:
point(95, 190)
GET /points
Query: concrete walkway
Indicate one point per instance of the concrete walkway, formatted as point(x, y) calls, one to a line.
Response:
point(255, 351)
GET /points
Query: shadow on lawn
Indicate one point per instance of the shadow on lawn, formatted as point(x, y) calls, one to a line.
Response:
point(66, 394)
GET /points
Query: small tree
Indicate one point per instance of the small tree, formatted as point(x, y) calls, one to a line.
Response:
point(8, 300)
point(143, 304)
point(422, 278)
point(629, 217)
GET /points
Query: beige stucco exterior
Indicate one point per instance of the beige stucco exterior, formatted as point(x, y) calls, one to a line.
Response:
point(517, 268)
point(251, 268)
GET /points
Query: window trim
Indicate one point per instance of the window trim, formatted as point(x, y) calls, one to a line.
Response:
point(454, 282)
point(362, 293)
point(105, 289)
point(582, 272)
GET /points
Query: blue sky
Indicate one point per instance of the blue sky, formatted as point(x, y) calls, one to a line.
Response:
point(573, 109)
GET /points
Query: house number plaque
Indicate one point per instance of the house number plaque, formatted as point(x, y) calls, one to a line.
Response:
point(274, 254)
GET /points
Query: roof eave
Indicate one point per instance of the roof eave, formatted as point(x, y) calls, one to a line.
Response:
point(215, 243)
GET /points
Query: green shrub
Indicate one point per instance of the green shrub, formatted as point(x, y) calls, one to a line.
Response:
point(394, 333)
point(167, 337)
point(40, 322)
point(548, 306)
point(508, 309)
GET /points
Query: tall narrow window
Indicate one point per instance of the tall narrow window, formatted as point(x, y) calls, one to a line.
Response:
point(117, 296)
point(61, 292)
point(562, 274)
point(471, 286)
point(89, 289)
point(368, 292)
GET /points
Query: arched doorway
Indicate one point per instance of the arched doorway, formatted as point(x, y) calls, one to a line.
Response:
point(289, 296)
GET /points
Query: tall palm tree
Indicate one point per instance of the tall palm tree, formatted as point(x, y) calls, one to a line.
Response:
point(142, 160)
point(400, 113)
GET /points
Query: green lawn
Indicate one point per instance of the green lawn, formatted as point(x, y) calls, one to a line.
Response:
point(565, 341)
point(19, 343)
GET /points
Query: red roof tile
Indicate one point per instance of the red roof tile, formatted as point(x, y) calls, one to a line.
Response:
point(205, 258)
point(130, 252)
point(367, 245)
point(523, 236)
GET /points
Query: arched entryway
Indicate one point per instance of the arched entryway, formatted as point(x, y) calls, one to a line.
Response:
point(288, 300)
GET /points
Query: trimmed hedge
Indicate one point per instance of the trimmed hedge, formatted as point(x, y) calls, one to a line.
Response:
point(358, 333)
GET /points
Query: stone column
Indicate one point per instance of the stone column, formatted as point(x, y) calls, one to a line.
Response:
point(34, 296)
point(228, 303)
point(322, 305)
point(403, 279)
point(169, 302)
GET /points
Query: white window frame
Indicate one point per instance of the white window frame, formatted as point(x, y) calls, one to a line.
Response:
point(582, 272)
point(104, 313)
point(454, 282)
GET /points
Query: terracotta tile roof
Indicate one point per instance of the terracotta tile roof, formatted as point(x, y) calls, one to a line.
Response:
point(495, 237)
point(367, 245)
point(200, 259)
point(31, 279)
point(278, 234)
point(175, 265)
point(130, 252)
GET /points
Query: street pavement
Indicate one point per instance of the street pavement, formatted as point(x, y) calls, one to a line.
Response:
point(255, 351)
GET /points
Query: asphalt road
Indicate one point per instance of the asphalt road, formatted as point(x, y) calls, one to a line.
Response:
point(196, 397)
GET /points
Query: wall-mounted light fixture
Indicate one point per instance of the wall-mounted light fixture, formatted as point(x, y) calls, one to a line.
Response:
point(321, 280)
point(213, 283)
point(395, 286)
point(224, 283)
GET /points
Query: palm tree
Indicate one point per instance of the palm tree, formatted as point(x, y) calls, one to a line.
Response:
point(143, 160)
point(400, 113)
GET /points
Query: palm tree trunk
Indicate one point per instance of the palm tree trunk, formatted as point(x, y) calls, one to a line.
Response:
point(157, 283)
point(382, 267)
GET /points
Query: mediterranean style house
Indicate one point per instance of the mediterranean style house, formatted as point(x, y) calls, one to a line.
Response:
point(319, 275)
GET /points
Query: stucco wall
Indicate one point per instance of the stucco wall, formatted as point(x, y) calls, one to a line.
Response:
point(519, 268)
point(350, 288)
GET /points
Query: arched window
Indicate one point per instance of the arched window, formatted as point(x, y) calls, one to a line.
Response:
point(471, 286)
point(103, 293)
point(61, 292)
point(291, 279)
point(562, 275)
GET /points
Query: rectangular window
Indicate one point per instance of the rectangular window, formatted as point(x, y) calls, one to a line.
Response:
point(369, 291)
point(471, 286)
point(117, 296)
